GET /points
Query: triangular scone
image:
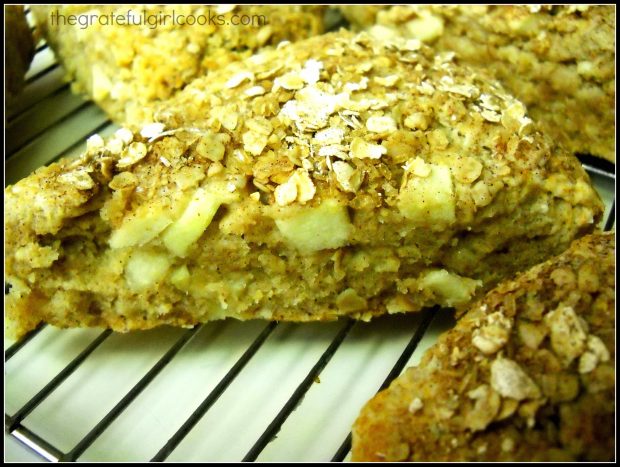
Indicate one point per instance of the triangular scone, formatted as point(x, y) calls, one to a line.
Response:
point(126, 56)
point(337, 176)
point(558, 59)
point(19, 49)
point(526, 375)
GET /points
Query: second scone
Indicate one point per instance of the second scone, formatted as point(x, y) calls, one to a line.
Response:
point(18, 49)
point(126, 56)
point(557, 59)
point(526, 375)
point(337, 176)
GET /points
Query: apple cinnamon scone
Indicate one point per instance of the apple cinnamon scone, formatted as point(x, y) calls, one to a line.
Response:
point(528, 374)
point(18, 49)
point(125, 56)
point(337, 176)
point(558, 60)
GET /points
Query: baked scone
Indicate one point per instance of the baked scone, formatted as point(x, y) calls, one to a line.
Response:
point(155, 50)
point(18, 49)
point(558, 60)
point(337, 176)
point(526, 375)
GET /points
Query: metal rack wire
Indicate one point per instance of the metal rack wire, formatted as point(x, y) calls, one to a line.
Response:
point(313, 379)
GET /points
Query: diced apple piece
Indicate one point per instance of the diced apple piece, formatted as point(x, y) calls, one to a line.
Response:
point(426, 28)
point(316, 228)
point(348, 300)
point(144, 269)
point(192, 223)
point(454, 289)
point(429, 201)
point(180, 277)
point(195, 218)
point(141, 226)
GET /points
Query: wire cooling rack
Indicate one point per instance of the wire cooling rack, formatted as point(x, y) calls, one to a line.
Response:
point(222, 391)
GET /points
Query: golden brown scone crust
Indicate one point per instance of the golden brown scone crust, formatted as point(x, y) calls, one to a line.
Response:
point(18, 48)
point(559, 60)
point(340, 176)
point(526, 375)
point(123, 67)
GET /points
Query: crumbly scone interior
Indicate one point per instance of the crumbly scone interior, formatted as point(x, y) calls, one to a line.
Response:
point(341, 176)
